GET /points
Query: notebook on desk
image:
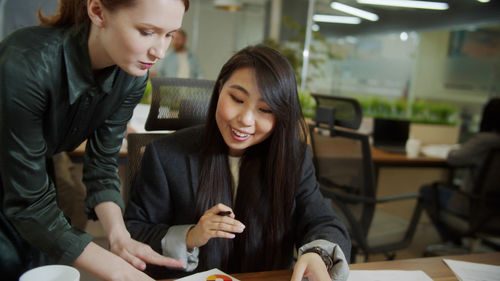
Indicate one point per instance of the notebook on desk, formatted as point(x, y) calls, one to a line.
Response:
point(390, 134)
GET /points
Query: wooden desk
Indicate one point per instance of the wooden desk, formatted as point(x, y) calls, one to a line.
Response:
point(77, 154)
point(384, 158)
point(80, 150)
point(434, 267)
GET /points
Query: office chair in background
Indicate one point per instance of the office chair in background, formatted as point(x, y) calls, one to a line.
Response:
point(344, 169)
point(176, 103)
point(483, 220)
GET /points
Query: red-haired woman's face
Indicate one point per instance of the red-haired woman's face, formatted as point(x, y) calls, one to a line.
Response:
point(136, 37)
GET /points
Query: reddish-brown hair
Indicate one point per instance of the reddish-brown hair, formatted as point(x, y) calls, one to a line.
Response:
point(73, 12)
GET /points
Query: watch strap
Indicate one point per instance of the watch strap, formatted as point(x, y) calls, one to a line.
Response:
point(327, 259)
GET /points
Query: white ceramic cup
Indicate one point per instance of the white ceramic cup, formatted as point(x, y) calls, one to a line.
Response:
point(412, 148)
point(54, 272)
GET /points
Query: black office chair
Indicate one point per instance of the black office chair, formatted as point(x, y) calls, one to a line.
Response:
point(136, 144)
point(344, 169)
point(178, 103)
point(483, 219)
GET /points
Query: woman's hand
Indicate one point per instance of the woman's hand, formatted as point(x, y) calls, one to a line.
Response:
point(212, 225)
point(107, 266)
point(134, 252)
point(310, 265)
point(137, 253)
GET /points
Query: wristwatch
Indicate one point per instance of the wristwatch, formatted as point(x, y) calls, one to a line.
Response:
point(323, 254)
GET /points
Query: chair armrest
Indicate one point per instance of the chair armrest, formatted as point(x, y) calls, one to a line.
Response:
point(363, 199)
point(446, 185)
point(405, 196)
point(490, 197)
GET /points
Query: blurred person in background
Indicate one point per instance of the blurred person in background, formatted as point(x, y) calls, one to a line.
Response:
point(470, 156)
point(179, 62)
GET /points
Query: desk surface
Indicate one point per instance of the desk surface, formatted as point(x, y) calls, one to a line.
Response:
point(385, 158)
point(379, 157)
point(80, 150)
point(434, 267)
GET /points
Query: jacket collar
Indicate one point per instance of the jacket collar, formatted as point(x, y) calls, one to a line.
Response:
point(194, 168)
point(78, 68)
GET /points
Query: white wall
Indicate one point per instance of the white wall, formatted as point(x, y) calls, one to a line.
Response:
point(429, 76)
point(222, 33)
point(379, 65)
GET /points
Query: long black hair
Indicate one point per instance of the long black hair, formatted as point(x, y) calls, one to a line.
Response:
point(490, 121)
point(269, 172)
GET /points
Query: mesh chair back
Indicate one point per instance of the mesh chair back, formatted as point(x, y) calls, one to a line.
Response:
point(343, 162)
point(346, 175)
point(178, 103)
point(346, 112)
point(485, 207)
point(136, 145)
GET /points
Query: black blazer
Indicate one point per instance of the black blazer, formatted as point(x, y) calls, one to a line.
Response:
point(164, 195)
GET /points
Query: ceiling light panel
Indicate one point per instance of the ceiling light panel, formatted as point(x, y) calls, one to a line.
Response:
point(408, 4)
point(336, 19)
point(354, 11)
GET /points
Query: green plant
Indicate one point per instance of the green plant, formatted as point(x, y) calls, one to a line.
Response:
point(146, 97)
point(307, 103)
point(421, 111)
point(434, 113)
point(375, 106)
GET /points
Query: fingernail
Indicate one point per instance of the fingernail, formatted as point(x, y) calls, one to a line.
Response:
point(231, 236)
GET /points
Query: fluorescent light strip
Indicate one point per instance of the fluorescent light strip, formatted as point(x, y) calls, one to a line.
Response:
point(408, 4)
point(354, 11)
point(336, 19)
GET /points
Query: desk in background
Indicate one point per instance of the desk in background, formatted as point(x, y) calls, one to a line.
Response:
point(434, 267)
point(77, 158)
point(77, 154)
point(395, 173)
point(382, 158)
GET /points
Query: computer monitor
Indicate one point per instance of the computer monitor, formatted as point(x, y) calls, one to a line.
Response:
point(391, 134)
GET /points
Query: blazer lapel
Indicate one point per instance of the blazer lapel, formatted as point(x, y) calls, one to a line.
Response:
point(194, 169)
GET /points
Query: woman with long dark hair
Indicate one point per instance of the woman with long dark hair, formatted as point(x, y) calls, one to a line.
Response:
point(76, 77)
point(240, 192)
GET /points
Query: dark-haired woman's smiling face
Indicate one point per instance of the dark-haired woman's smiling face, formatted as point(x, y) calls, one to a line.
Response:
point(242, 116)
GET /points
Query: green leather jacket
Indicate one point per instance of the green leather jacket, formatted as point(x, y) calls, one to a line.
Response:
point(51, 101)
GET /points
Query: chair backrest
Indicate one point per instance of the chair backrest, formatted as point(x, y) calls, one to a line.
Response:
point(346, 112)
point(485, 203)
point(178, 103)
point(136, 145)
point(342, 157)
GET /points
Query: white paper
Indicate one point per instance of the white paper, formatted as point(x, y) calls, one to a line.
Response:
point(388, 275)
point(438, 150)
point(209, 275)
point(139, 117)
point(469, 271)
